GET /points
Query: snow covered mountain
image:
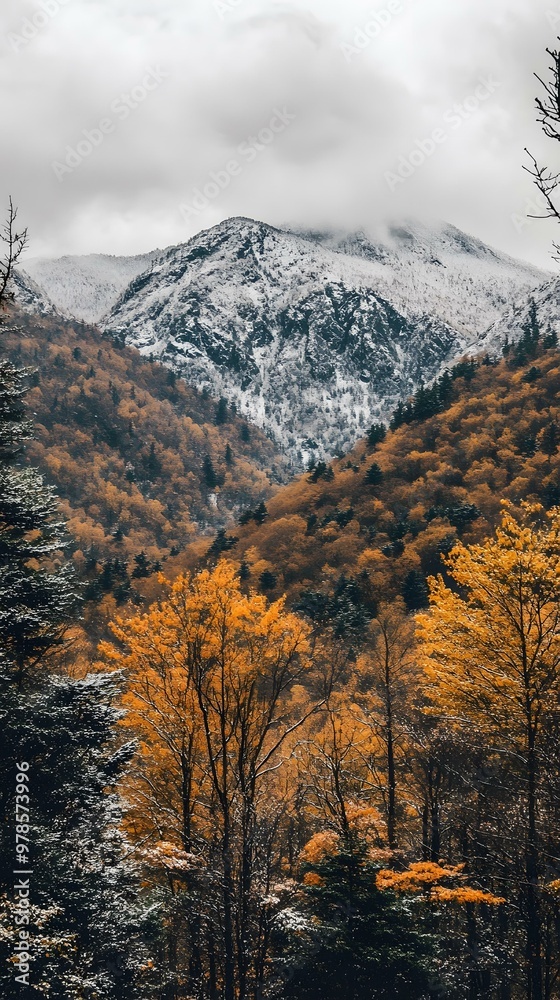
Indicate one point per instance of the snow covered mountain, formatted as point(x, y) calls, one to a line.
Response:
point(30, 296)
point(315, 335)
point(514, 319)
point(84, 288)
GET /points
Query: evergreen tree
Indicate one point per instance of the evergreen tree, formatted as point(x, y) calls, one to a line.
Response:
point(244, 571)
point(14, 428)
point(142, 566)
point(209, 473)
point(268, 580)
point(374, 475)
point(261, 513)
point(152, 464)
point(397, 420)
point(320, 471)
point(222, 543)
point(349, 939)
point(550, 439)
point(377, 433)
point(37, 601)
point(415, 591)
point(85, 921)
point(57, 737)
point(550, 340)
point(222, 411)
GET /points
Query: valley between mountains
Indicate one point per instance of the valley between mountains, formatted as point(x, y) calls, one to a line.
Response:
point(273, 553)
point(177, 428)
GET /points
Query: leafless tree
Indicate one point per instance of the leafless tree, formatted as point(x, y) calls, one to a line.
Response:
point(546, 180)
point(14, 245)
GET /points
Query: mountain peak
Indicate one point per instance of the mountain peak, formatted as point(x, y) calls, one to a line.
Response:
point(311, 334)
point(315, 334)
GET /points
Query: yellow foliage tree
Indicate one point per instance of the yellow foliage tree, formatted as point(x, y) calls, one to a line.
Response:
point(491, 653)
point(387, 673)
point(211, 671)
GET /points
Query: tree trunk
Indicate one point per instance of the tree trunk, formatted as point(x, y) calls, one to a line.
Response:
point(504, 986)
point(391, 776)
point(534, 933)
point(431, 834)
point(228, 897)
point(212, 971)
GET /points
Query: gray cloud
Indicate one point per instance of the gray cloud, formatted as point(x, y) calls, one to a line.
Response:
point(225, 68)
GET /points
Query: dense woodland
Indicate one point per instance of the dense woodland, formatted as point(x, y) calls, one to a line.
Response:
point(318, 754)
point(142, 463)
point(264, 741)
point(377, 523)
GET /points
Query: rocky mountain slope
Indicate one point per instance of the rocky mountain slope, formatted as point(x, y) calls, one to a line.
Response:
point(85, 288)
point(30, 296)
point(312, 335)
point(511, 324)
point(374, 525)
point(315, 335)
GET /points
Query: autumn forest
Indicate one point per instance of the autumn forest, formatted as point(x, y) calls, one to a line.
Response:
point(285, 738)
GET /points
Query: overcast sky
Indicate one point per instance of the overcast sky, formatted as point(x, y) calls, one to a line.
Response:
point(133, 124)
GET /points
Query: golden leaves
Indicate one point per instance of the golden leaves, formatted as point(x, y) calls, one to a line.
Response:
point(426, 877)
point(491, 651)
point(211, 671)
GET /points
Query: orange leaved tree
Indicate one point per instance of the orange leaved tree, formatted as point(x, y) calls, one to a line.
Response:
point(490, 647)
point(214, 693)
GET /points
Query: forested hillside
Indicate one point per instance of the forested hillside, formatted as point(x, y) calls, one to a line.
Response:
point(142, 462)
point(350, 789)
point(375, 523)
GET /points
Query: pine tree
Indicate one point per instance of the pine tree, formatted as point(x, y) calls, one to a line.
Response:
point(142, 567)
point(374, 475)
point(347, 938)
point(152, 464)
point(222, 411)
point(549, 439)
point(37, 601)
point(14, 428)
point(377, 433)
point(415, 591)
point(268, 580)
point(85, 922)
point(82, 920)
point(261, 513)
point(397, 420)
point(209, 473)
point(244, 571)
point(222, 543)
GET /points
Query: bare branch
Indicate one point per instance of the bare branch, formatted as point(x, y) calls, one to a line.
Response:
point(548, 116)
point(15, 243)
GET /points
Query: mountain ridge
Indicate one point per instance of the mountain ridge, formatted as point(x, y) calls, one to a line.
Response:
point(314, 335)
